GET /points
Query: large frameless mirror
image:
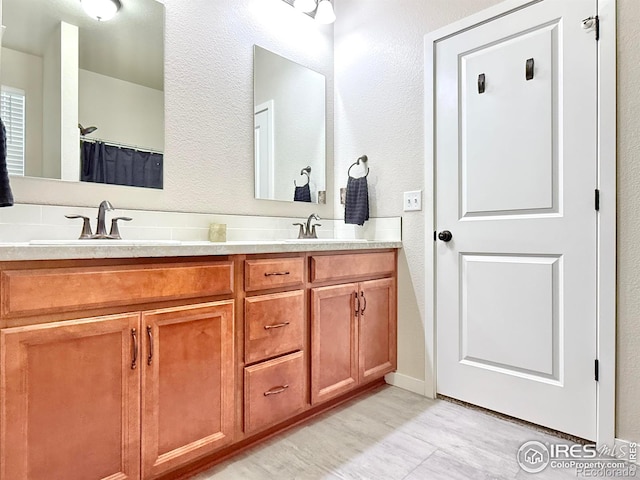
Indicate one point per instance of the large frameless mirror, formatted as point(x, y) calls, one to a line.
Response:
point(83, 99)
point(289, 130)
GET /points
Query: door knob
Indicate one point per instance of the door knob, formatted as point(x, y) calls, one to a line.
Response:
point(445, 236)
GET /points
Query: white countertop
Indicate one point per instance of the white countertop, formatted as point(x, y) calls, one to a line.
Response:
point(140, 249)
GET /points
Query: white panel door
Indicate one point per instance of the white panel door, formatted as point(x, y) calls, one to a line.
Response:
point(515, 183)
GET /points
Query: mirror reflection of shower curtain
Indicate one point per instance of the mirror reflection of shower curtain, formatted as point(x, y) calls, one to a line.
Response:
point(114, 165)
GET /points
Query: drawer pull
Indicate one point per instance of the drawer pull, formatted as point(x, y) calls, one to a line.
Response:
point(276, 390)
point(277, 325)
point(274, 274)
point(134, 362)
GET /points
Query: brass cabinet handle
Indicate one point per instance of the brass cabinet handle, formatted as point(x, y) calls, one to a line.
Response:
point(356, 302)
point(134, 362)
point(276, 390)
point(277, 325)
point(150, 335)
point(364, 299)
point(272, 274)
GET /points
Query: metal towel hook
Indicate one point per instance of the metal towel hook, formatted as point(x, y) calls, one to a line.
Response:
point(482, 83)
point(305, 171)
point(363, 159)
point(528, 70)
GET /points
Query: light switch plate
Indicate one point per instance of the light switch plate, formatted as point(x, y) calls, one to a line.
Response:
point(412, 201)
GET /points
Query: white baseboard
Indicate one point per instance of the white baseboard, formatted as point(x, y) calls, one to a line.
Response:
point(405, 382)
point(625, 445)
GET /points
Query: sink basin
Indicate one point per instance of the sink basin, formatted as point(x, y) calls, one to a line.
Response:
point(121, 243)
point(326, 240)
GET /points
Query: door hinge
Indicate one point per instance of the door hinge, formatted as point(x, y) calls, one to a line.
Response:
point(597, 200)
point(597, 370)
point(592, 22)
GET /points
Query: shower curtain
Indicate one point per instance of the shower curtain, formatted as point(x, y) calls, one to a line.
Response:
point(101, 163)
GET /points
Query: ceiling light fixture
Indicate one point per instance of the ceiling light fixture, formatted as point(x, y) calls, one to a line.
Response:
point(321, 10)
point(325, 13)
point(102, 10)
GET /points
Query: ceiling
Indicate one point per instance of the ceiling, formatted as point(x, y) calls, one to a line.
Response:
point(129, 47)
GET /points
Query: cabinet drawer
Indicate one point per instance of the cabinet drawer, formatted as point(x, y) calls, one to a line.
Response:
point(52, 290)
point(273, 273)
point(339, 267)
point(273, 325)
point(273, 391)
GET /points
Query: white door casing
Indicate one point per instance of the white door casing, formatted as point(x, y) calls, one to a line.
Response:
point(264, 150)
point(516, 299)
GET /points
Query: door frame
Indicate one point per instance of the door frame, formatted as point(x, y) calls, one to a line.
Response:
point(606, 219)
point(268, 107)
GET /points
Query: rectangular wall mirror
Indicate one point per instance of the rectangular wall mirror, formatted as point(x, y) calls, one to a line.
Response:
point(289, 130)
point(83, 99)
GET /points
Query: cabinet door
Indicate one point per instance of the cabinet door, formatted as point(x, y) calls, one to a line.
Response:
point(377, 335)
point(71, 400)
point(334, 341)
point(188, 384)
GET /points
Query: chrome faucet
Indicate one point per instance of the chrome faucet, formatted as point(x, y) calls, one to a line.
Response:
point(308, 231)
point(101, 229)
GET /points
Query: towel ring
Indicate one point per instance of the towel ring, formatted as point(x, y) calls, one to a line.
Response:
point(305, 171)
point(363, 159)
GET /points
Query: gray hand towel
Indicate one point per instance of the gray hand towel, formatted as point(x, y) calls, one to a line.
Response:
point(302, 194)
point(356, 205)
point(6, 197)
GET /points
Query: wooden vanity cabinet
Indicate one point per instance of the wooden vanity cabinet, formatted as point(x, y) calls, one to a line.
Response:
point(377, 345)
point(70, 400)
point(181, 362)
point(353, 325)
point(274, 325)
point(275, 370)
point(123, 396)
point(274, 391)
point(187, 365)
point(334, 341)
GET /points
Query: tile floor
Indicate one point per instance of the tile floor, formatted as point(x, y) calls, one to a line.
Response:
point(392, 434)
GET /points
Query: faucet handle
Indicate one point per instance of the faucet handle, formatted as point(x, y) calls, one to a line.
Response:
point(115, 232)
point(312, 233)
point(86, 226)
point(301, 231)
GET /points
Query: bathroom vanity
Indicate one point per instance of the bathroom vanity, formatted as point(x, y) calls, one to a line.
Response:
point(148, 368)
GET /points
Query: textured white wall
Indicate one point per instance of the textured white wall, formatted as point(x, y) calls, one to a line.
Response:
point(124, 112)
point(628, 380)
point(379, 68)
point(209, 111)
point(24, 71)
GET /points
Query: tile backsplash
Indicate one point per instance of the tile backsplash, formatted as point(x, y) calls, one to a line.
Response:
point(25, 222)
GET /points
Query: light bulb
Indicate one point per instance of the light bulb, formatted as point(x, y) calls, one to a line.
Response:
point(305, 6)
point(325, 13)
point(101, 9)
